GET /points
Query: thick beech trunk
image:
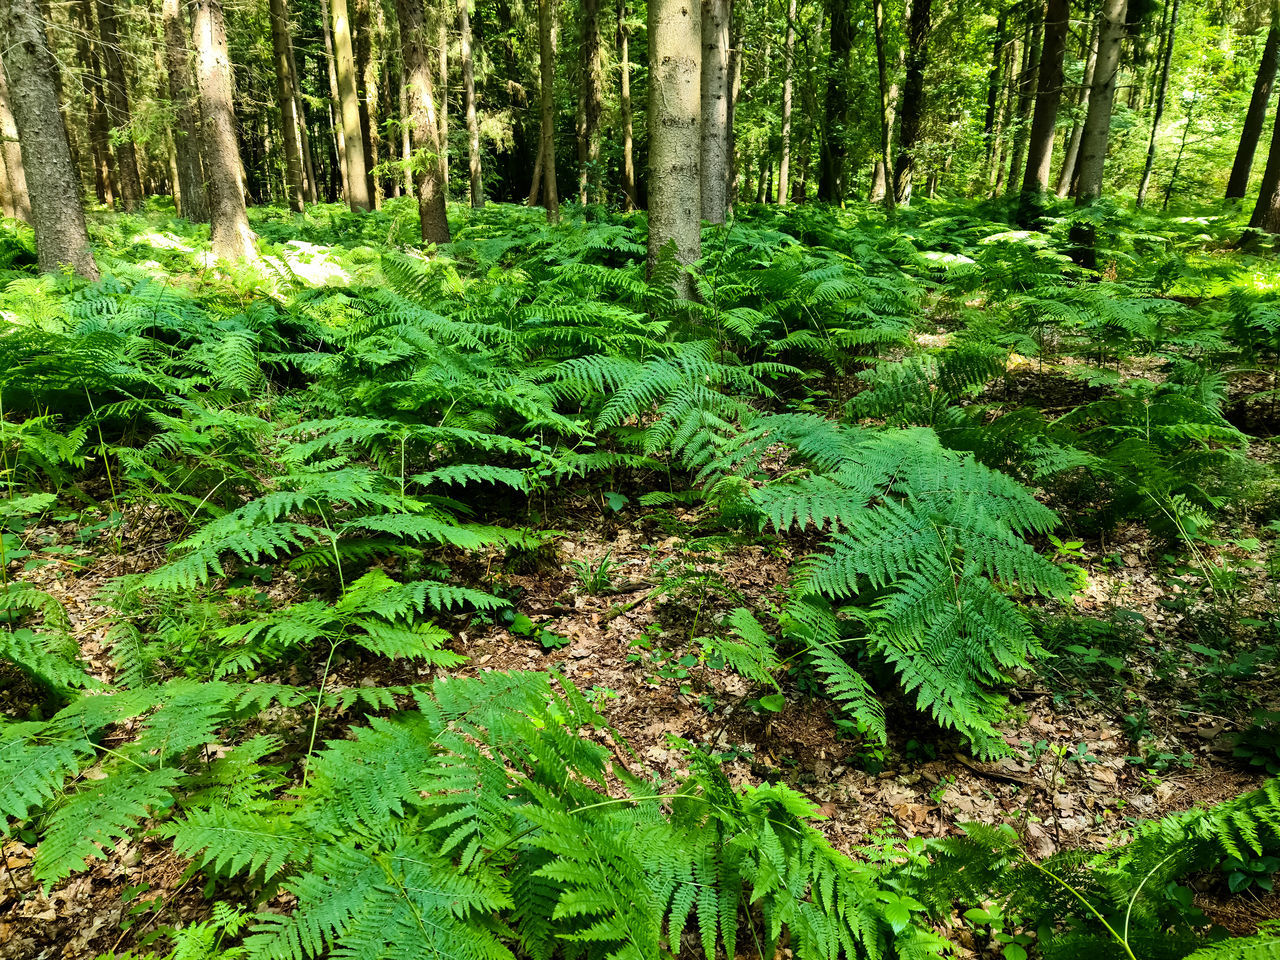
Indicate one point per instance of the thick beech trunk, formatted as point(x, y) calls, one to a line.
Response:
point(1250, 133)
point(229, 224)
point(675, 125)
point(715, 93)
point(53, 186)
point(423, 126)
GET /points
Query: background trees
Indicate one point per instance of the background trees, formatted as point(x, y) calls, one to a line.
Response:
point(1089, 99)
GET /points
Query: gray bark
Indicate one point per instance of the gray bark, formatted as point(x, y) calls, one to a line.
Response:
point(789, 63)
point(186, 132)
point(14, 199)
point(117, 102)
point(423, 126)
point(469, 105)
point(1097, 126)
point(294, 173)
point(715, 93)
point(355, 174)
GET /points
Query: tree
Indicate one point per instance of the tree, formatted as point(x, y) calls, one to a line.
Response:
point(469, 105)
point(1066, 176)
point(1048, 97)
point(1238, 182)
point(715, 93)
point(912, 113)
point(14, 199)
point(547, 136)
point(590, 102)
point(356, 176)
point(1096, 137)
point(1162, 89)
point(831, 163)
point(882, 163)
point(789, 58)
point(53, 186)
point(675, 127)
point(362, 43)
point(1266, 212)
point(1028, 78)
point(117, 102)
point(423, 128)
point(336, 117)
point(104, 171)
point(294, 174)
point(230, 236)
point(186, 133)
point(624, 104)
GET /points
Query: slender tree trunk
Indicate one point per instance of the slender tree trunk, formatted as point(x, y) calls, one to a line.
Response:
point(1097, 126)
point(1266, 212)
point(735, 88)
point(406, 144)
point(362, 47)
point(99, 139)
point(469, 104)
point(918, 26)
point(118, 105)
point(230, 234)
point(715, 93)
point(53, 186)
point(547, 138)
point(1238, 183)
point(424, 127)
point(1027, 81)
point(16, 201)
point(624, 64)
point(310, 182)
point(1066, 176)
point(1057, 19)
point(882, 70)
point(1182, 150)
point(675, 123)
point(590, 101)
point(789, 58)
point(442, 48)
point(279, 16)
point(831, 170)
point(535, 185)
point(356, 174)
point(186, 132)
point(1162, 89)
point(337, 119)
point(879, 169)
point(995, 82)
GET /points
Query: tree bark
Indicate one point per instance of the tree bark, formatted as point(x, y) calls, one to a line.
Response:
point(230, 234)
point(294, 174)
point(469, 105)
point(831, 162)
point(423, 125)
point(789, 58)
point(356, 174)
point(1097, 125)
point(336, 117)
point(882, 71)
point(1238, 183)
point(912, 112)
point(442, 49)
point(104, 173)
point(117, 102)
point(1027, 79)
point(715, 93)
point(675, 123)
point(1157, 113)
point(310, 185)
point(994, 85)
point(362, 44)
point(186, 132)
point(1057, 20)
point(624, 64)
point(1266, 212)
point(53, 185)
point(1066, 176)
point(15, 201)
point(590, 102)
point(547, 136)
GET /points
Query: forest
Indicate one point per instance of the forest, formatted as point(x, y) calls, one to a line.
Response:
point(766, 479)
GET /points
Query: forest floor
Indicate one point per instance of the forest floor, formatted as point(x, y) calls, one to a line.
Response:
point(1111, 733)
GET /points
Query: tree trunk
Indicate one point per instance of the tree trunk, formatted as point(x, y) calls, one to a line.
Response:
point(1067, 175)
point(1266, 213)
point(310, 183)
point(890, 201)
point(715, 93)
point(469, 104)
point(789, 58)
point(15, 201)
point(675, 123)
point(424, 127)
point(406, 143)
point(995, 83)
point(1026, 97)
point(831, 171)
point(186, 132)
point(118, 106)
point(912, 112)
point(53, 186)
point(547, 137)
point(1097, 125)
point(337, 118)
point(1162, 90)
point(356, 174)
point(99, 139)
point(590, 102)
point(362, 45)
point(1238, 184)
point(443, 114)
point(1057, 20)
point(624, 64)
point(735, 88)
point(230, 234)
point(284, 92)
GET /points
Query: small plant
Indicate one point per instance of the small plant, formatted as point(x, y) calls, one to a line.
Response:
point(597, 578)
point(1259, 743)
